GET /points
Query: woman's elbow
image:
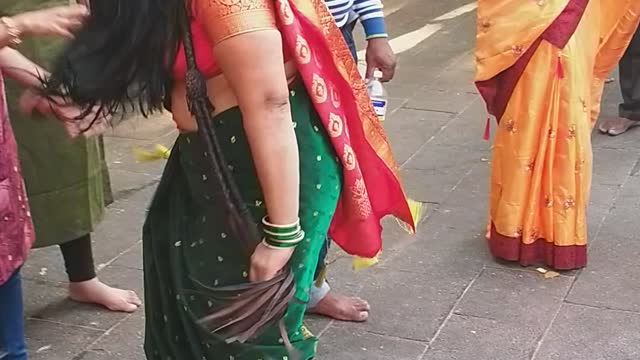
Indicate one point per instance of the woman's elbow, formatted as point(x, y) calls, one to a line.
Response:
point(268, 101)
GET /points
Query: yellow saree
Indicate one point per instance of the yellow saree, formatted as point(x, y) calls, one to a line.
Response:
point(541, 67)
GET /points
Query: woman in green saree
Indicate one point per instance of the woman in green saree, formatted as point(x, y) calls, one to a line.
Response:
point(292, 128)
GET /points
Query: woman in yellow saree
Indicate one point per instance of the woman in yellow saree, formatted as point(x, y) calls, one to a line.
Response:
point(541, 67)
point(293, 136)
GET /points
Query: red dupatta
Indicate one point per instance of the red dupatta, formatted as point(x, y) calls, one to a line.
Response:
point(371, 185)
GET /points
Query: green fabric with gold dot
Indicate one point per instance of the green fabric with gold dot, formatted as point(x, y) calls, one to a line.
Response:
point(184, 241)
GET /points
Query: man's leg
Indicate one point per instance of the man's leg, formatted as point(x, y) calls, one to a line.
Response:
point(347, 34)
point(629, 110)
point(630, 80)
point(322, 300)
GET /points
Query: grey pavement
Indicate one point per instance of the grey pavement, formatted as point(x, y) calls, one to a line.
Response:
point(437, 295)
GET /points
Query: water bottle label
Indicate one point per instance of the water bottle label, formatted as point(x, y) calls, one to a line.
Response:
point(380, 107)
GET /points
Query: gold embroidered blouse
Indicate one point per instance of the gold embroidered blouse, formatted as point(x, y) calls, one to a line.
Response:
point(223, 19)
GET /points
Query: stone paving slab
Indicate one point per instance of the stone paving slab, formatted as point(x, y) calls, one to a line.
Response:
point(501, 295)
point(445, 101)
point(412, 128)
point(587, 333)
point(489, 321)
point(479, 339)
point(609, 281)
point(126, 342)
point(54, 341)
point(343, 344)
point(410, 305)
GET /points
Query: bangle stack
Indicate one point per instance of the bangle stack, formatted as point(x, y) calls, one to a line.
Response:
point(281, 236)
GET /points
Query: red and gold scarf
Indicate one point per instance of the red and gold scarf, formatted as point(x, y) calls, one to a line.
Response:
point(371, 185)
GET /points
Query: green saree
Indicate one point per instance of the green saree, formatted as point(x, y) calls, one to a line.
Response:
point(67, 180)
point(185, 243)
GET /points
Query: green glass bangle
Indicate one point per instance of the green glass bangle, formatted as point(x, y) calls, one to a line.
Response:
point(280, 229)
point(297, 236)
point(291, 233)
point(280, 245)
point(294, 240)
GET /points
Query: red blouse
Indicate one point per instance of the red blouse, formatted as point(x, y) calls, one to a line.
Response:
point(214, 21)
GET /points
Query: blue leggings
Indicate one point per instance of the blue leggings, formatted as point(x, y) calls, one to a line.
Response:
point(12, 345)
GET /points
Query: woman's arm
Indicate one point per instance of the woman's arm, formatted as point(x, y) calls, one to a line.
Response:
point(248, 48)
point(21, 69)
point(59, 20)
point(254, 66)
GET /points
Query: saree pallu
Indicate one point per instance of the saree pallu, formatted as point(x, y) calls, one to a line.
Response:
point(186, 247)
point(542, 80)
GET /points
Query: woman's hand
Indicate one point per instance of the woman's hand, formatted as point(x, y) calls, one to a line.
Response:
point(266, 262)
point(69, 114)
point(59, 20)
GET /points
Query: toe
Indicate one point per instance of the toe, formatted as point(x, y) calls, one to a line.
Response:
point(361, 305)
point(363, 316)
point(133, 298)
point(128, 307)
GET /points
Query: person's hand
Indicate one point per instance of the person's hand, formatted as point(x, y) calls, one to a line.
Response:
point(59, 20)
point(69, 114)
point(266, 262)
point(380, 56)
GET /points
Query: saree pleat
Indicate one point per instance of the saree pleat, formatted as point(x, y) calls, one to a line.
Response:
point(186, 249)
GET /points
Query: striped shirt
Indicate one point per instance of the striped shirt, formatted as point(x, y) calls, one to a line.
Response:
point(368, 11)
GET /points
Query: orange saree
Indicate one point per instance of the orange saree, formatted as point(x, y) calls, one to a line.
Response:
point(541, 67)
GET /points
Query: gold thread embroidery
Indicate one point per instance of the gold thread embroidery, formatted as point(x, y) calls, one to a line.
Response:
point(348, 69)
point(511, 126)
point(227, 18)
point(285, 10)
point(569, 203)
point(335, 97)
point(302, 50)
point(548, 201)
point(348, 158)
point(335, 125)
point(360, 195)
point(318, 89)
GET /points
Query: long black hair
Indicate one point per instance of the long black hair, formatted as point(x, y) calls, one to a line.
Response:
point(120, 60)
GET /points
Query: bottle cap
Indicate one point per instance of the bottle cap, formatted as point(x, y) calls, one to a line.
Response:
point(377, 74)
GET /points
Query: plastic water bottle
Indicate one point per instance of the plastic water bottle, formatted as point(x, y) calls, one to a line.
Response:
point(378, 95)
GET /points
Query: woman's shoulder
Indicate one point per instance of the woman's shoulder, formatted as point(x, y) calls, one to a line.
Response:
point(225, 18)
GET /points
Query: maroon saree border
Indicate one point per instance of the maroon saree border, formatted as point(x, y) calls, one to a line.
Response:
point(497, 91)
point(540, 252)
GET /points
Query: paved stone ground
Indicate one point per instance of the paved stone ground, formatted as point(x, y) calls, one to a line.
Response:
point(437, 295)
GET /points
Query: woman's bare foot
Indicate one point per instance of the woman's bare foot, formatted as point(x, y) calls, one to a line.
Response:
point(487, 235)
point(342, 308)
point(616, 126)
point(96, 292)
